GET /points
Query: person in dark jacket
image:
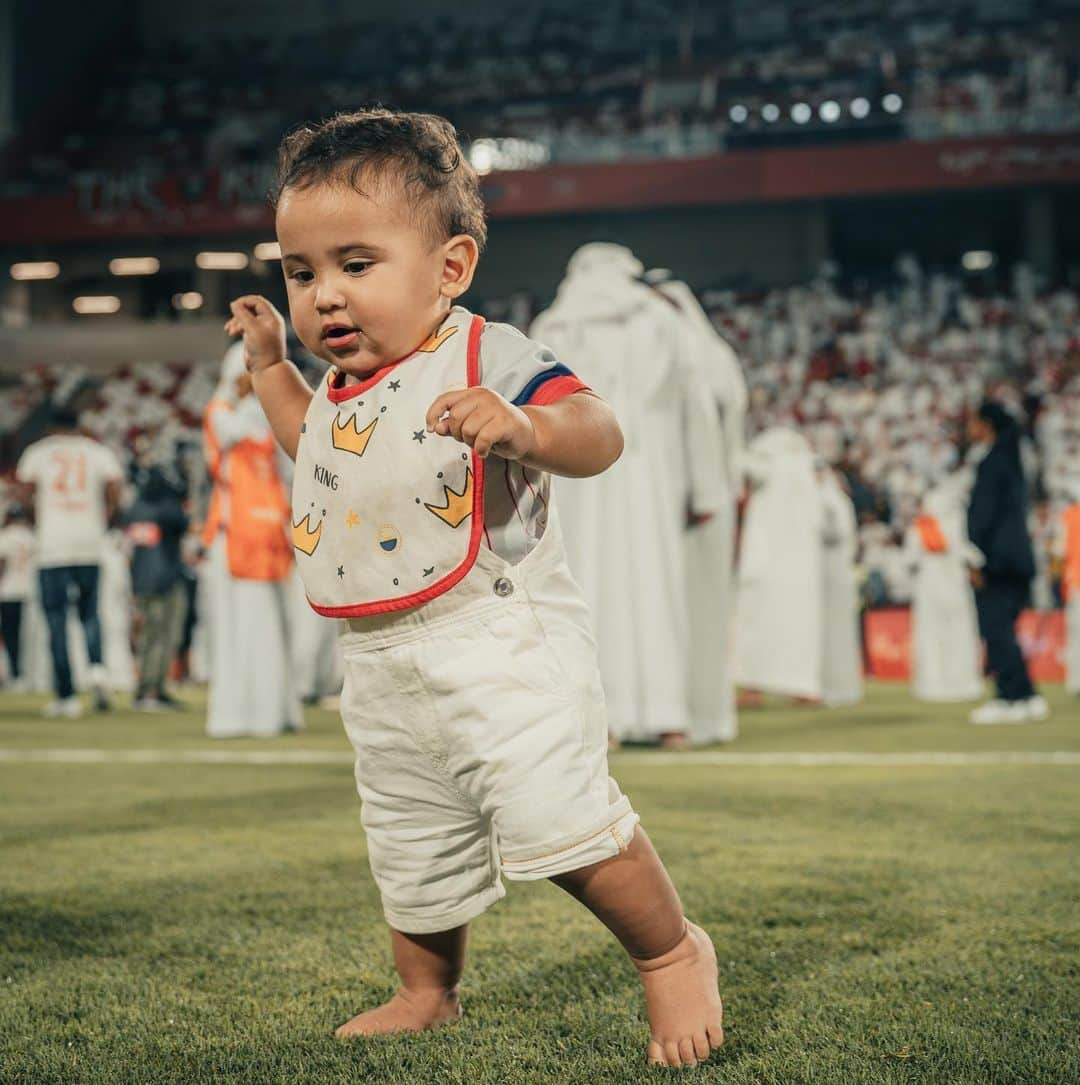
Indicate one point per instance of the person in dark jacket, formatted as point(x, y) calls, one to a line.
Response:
point(997, 525)
point(156, 523)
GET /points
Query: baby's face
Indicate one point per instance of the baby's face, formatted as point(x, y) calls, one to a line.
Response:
point(364, 280)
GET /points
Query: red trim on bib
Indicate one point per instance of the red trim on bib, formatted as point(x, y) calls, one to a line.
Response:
point(348, 391)
point(440, 587)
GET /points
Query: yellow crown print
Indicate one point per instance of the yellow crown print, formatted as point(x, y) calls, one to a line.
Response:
point(458, 505)
point(303, 538)
point(433, 342)
point(347, 437)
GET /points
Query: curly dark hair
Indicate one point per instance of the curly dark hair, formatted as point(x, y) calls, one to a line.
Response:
point(419, 150)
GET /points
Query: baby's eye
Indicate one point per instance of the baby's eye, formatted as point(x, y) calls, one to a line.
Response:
point(357, 267)
point(301, 275)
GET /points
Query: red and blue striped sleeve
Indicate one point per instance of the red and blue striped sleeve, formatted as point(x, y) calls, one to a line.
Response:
point(522, 370)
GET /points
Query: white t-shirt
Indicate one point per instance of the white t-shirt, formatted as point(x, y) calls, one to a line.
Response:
point(516, 497)
point(70, 473)
point(17, 553)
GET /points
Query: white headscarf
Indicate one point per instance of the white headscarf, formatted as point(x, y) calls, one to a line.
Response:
point(601, 283)
point(246, 419)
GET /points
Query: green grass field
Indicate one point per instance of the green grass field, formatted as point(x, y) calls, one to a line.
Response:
point(172, 922)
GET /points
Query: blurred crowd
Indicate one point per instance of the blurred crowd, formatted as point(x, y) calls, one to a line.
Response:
point(585, 82)
point(882, 382)
point(879, 383)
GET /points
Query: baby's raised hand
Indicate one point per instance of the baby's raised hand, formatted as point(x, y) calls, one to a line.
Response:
point(483, 420)
point(263, 329)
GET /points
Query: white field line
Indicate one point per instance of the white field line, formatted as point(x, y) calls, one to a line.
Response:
point(657, 758)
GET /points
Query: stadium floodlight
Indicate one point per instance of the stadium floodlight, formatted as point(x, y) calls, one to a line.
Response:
point(739, 114)
point(770, 112)
point(221, 261)
point(96, 305)
point(801, 113)
point(860, 108)
point(135, 265)
point(189, 300)
point(35, 269)
point(892, 103)
point(268, 250)
point(829, 111)
point(482, 156)
point(977, 260)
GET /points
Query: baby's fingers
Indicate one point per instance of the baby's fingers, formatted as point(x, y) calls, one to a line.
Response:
point(488, 437)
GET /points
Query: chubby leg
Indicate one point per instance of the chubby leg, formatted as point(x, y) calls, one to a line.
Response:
point(430, 967)
point(632, 895)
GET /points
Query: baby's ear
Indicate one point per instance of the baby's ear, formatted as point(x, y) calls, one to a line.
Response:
point(460, 256)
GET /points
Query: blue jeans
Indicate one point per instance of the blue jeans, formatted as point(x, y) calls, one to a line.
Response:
point(57, 586)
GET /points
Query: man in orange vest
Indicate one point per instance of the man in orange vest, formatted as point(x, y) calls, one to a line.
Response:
point(1070, 581)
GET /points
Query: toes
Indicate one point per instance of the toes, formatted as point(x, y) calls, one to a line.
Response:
point(671, 1053)
point(716, 1035)
point(701, 1045)
point(686, 1052)
point(654, 1054)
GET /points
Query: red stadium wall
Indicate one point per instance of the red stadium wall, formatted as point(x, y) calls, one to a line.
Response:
point(104, 206)
point(888, 643)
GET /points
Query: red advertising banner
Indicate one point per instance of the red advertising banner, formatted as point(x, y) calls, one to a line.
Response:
point(104, 205)
point(1042, 640)
point(887, 633)
point(887, 638)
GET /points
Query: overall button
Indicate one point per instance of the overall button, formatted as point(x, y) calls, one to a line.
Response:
point(503, 587)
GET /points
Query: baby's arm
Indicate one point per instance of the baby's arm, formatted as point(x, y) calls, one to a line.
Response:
point(577, 436)
point(281, 390)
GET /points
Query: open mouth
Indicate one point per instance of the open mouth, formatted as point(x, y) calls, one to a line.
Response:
point(338, 336)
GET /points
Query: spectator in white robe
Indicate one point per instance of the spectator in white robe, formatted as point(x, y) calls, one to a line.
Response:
point(710, 543)
point(778, 624)
point(249, 560)
point(16, 581)
point(841, 657)
point(946, 654)
point(316, 655)
point(624, 529)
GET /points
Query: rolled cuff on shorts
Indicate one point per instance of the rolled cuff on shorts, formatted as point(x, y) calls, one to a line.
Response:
point(421, 921)
point(606, 838)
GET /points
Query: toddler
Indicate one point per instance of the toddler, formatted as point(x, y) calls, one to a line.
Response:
point(422, 516)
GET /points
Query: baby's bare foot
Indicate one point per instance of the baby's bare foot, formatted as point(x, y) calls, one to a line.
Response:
point(407, 1011)
point(681, 996)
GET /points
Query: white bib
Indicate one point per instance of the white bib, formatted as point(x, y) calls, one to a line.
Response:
point(386, 516)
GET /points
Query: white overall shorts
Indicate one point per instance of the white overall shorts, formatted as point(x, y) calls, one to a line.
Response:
point(480, 733)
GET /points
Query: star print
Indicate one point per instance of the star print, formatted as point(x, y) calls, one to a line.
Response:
point(394, 385)
point(352, 519)
point(419, 436)
point(428, 572)
point(341, 570)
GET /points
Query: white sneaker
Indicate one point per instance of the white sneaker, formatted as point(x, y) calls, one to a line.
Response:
point(68, 708)
point(150, 704)
point(1037, 708)
point(998, 711)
